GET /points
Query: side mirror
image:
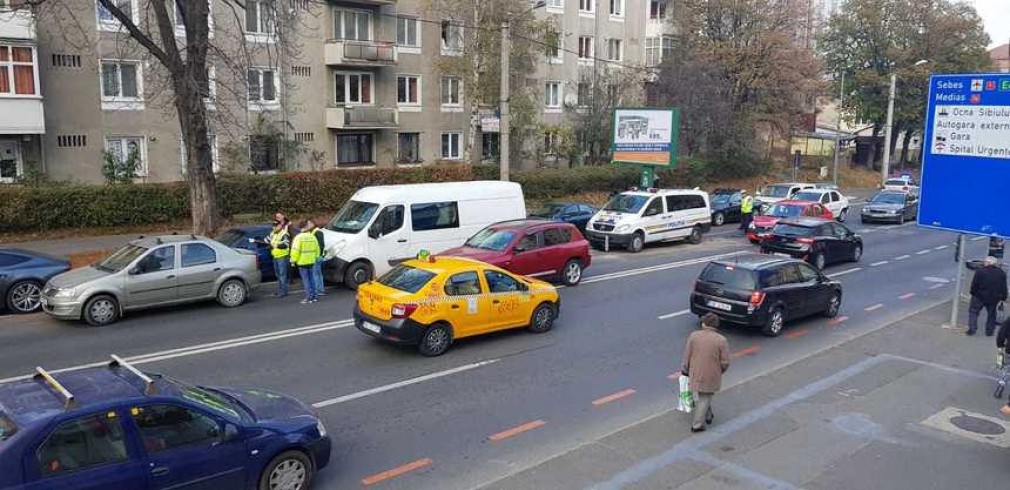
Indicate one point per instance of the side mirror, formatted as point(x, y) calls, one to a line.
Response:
point(373, 233)
point(135, 270)
point(518, 249)
point(231, 432)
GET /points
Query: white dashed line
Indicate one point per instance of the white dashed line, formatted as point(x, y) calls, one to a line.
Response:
point(902, 257)
point(937, 286)
point(923, 252)
point(848, 271)
point(941, 247)
point(875, 307)
point(401, 384)
point(673, 315)
point(878, 264)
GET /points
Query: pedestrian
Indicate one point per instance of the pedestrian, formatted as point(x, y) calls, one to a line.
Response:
point(304, 252)
point(746, 210)
point(988, 289)
point(279, 241)
point(706, 358)
point(317, 269)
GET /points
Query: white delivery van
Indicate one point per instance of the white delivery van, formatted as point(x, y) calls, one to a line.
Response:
point(384, 225)
point(632, 219)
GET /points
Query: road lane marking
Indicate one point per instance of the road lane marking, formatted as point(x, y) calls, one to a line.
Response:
point(902, 257)
point(673, 315)
point(907, 296)
point(616, 396)
point(923, 252)
point(837, 320)
point(519, 429)
point(941, 247)
point(401, 384)
point(874, 307)
point(795, 334)
point(746, 351)
point(937, 286)
point(661, 267)
point(882, 262)
point(395, 472)
point(847, 271)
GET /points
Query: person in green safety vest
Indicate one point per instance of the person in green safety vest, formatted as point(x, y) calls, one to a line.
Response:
point(746, 210)
point(279, 241)
point(304, 252)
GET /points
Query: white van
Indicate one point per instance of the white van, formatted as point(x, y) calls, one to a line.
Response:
point(384, 225)
point(632, 219)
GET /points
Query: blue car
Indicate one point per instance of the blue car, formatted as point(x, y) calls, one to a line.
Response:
point(22, 274)
point(570, 212)
point(239, 238)
point(116, 427)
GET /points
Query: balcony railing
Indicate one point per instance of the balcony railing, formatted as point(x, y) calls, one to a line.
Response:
point(362, 53)
point(361, 118)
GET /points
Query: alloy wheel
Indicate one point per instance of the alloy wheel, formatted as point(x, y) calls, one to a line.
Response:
point(290, 474)
point(26, 297)
point(573, 272)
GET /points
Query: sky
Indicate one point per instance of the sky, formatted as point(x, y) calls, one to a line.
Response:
point(996, 15)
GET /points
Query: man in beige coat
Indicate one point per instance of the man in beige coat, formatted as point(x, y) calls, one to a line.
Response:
point(706, 357)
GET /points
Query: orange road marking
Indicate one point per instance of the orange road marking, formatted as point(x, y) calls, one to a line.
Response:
point(614, 397)
point(395, 472)
point(906, 296)
point(519, 429)
point(836, 321)
point(795, 334)
point(746, 351)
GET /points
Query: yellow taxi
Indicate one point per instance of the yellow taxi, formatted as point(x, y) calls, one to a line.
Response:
point(431, 301)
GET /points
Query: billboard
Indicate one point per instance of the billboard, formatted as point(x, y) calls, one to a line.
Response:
point(966, 155)
point(646, 136)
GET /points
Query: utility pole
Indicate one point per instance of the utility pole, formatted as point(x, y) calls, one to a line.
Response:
point(838, 125)
point(503, 125)
point(884, 170)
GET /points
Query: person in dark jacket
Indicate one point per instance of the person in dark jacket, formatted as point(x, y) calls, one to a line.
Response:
point(988, 289)
point(317, 270)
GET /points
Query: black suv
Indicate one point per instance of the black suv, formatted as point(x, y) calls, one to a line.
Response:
point(815, 240)
point(764, 291)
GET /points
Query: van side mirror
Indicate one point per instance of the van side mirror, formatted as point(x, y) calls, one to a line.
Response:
point(135, 270)
point(373, 233)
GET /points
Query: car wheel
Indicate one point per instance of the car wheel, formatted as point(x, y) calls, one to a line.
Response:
point(24, 297)
point(834, 304)
point(773, 325)
point(290, 470)
point(542, 319)
point(857, 253)
point(901, 219)
point(436, 340)
point(637, 242)
point(843, 215)
point(572, 272)
point(695, 237)
point(718, 219)
point(357, 274)
point(818, 261)
point(101, 310)
point(232, 293)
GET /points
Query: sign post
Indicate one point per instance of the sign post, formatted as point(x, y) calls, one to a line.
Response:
point(646, 138)
point(966, 159)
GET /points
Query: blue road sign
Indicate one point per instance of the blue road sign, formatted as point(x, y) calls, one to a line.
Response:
point(966, 155)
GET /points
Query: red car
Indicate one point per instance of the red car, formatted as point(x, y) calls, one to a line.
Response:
point(531, 247)
point(761, 226)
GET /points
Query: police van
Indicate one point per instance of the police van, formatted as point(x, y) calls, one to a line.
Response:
point(382, 226)
point(639, 216)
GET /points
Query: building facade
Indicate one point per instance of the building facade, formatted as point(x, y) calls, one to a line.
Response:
point(335, 85)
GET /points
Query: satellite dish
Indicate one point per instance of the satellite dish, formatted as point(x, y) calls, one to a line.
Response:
point(571, 99)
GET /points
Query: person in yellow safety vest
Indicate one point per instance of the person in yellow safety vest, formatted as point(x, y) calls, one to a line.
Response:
point(279, 241)
point(304, 252)
point(746, 210)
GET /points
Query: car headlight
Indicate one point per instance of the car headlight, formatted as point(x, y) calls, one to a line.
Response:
point(751, 227)
point(321, 428)
point(622, 229)
point(66, 293)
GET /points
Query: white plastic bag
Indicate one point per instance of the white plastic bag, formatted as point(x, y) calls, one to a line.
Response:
point(686, 400)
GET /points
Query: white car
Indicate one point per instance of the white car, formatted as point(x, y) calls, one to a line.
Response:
point(780, 192)
point(632, 219)
point(831, 199)
point(901, 184)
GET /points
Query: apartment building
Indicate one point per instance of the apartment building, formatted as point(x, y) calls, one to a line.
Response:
point(336, 85)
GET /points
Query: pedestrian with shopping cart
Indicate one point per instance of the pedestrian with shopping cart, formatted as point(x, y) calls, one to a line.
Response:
point(988, 290)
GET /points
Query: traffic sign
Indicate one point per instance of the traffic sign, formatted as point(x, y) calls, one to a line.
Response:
point(966, 155)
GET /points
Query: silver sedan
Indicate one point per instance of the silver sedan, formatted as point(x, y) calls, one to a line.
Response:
point(152, 272)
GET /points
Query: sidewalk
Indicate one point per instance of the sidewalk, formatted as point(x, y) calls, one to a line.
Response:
point(907, 407)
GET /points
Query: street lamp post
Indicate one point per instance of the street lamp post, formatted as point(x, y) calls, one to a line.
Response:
point(503, 107)
point(885, 166)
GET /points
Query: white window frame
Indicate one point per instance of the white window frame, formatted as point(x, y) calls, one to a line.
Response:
point(551, 142)
point(420, 150)
point(658, 18)
point(260, 35)
point(211, 98)
point(591, 11)
point(215, 161)
point(456, 106)
point(591, 46)
point(347, 88)
point(621, 6)
point(339, 34)
point(180, 29)
point(9, 66)
point(260, 104)
point(553, 95)
point(409, 106)
point(118, 102)
point(113, 24)
point(142, 169)
point(556, 6)
point(446, 49)
point(418, 29)
point(558, 55)
point(459, 145)
point(620, 49)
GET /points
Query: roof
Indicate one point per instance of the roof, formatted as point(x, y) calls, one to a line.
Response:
point(791, 183)
point(806, 222)
point(665, 192)
point(152, 241)
point(443, 263)
point(796, 202)
point(726, 191)
point(481, 189)
point(523, 224)
point(753, 261)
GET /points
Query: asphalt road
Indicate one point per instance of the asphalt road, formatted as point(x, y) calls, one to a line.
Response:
point(495, 405)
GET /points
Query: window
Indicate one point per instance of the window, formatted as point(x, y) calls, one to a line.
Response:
point(264, 153)
point(180, 20)
point(355, 149)
point(585, 47)
point(587, 5)
point(259, 17)
point(389, 220)
point(617, 8)
point(352, 88)
point(212, 139)
point(556, 4)
point(529, 242)
point(164, 427)
point(434, 216)
point(657, 9)
point(552, 143)
point(498, 282)
point(452, 38)
point(82, 443)
point(17, 63)
point(657, 49)
point(160, 259)
point(451, 146)
point(408, 147)
point(584, 94)
point(835, 197)
point(557, 236)
point(807, 273)
point(125, 148)
point(463, 284)
point(683, 202)
point(352, 24)
point(655, 207)
point(197, 254)
point(451, 91)
point(552, 45)
point(120, 80)
point(208, 86)
point(407, 33)
point(408, 90)
point(552, 95)
point(490, 144)
point(614, 51)
point(107, 22)
point(405, 278)
point(262, 86)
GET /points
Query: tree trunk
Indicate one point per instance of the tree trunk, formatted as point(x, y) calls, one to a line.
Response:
point(199, 158)
point(904, 147)
point(473, 154)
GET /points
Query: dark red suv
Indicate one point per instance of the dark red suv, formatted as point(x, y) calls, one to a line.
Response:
point(530, 247)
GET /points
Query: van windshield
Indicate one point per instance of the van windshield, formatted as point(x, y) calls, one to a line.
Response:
point(353, 217)
point(728, 276)
point(626, 203)
point(121, 258)
point(7, 427)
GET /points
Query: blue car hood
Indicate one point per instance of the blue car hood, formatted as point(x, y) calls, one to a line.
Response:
point(268, 406)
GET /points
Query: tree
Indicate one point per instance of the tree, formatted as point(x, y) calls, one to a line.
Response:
point(592, 116)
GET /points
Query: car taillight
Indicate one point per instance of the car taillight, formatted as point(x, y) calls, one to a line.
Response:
point(402, 310)
point(756, 298)
point(808, 241)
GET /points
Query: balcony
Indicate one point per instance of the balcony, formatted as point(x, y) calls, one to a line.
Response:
point(360, 53)
point(361, 118)
point(17, 24)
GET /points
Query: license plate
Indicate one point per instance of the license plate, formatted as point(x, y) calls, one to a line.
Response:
point(719, 306)
point(780, 254)
point(371, 327)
